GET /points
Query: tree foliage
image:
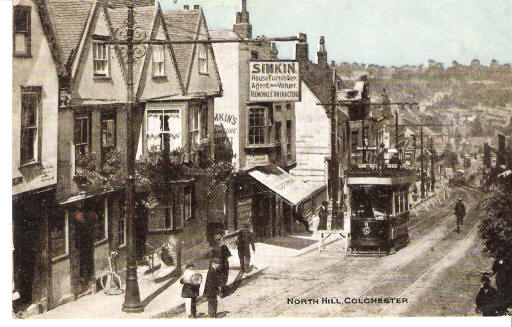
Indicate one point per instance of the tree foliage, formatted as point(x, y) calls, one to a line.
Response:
point(496, 227)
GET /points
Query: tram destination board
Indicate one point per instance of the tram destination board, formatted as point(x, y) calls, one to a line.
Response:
point(274, 81)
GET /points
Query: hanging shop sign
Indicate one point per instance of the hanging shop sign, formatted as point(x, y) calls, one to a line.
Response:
point(274, 81)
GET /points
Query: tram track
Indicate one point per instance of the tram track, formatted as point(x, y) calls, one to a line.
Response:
point(296, 291)
point(350, 270)
point(393, 274)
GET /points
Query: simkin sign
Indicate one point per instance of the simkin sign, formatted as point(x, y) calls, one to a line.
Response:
point(274, 81)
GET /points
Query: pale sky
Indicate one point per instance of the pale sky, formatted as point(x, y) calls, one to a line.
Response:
point(383, 32)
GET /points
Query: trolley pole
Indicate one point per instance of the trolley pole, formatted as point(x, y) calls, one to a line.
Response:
point(334, 161)
point(132, 296)
point(421, 167)
point(432, 166)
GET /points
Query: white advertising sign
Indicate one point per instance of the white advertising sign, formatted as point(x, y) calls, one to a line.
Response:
point(273, 81)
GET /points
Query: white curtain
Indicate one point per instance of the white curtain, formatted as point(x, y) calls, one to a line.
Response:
point(153, 131)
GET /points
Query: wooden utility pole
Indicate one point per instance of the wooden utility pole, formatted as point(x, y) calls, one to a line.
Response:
point(421, 167)
point(432, 165)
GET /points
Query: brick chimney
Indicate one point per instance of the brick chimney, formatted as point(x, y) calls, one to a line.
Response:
point(321, 54)
point(273, 50)
point(301, 49)
point(243, 27)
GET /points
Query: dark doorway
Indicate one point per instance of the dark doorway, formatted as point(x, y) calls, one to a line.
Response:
point(287, 217)
point(25, 223)
point(84, 245)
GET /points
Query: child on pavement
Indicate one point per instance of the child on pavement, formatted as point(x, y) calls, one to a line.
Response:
point(190, 291)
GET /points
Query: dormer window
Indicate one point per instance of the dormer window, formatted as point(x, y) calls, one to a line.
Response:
point(203, 59)
point(158, 60)
point(21, 31)
point(100, 53)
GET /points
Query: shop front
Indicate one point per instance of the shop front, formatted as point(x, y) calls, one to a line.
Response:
point(276, 198)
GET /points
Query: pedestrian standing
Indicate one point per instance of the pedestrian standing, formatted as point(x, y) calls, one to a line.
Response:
point(190, 290)
point(460, 212)
point(322, 215)
point(244, 243)
point(299, 217)
point(214, 275)
point(487, 298)
point(224, 268)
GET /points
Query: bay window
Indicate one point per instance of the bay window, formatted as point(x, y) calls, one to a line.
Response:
point(163, 128)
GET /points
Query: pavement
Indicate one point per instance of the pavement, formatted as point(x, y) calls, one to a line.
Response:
point(164, 299)
point(161, 298)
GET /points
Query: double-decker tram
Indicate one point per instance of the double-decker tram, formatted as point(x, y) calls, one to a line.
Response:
point(378, 202)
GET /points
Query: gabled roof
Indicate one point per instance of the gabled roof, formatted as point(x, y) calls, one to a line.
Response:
point(183, 25)
point(69, 17)
point(144, 21)
point(318, 79)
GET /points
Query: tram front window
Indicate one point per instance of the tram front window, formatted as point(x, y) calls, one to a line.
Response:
point(371, 203)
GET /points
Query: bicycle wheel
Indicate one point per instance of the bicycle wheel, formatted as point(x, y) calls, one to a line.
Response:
point(111, 283)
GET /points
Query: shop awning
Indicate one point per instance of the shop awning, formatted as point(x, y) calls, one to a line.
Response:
point(287, 187)
point(85, 195)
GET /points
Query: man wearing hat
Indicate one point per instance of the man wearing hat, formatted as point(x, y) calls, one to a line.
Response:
point(487, 298)
point(460, 212)
point(322, 215)
point(244, 242)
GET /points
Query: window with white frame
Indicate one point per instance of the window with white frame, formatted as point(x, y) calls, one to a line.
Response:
point(30, 120)
point(257, 126)
point(82, 135)
point(158, 60)
point(193, 124)
point(21, 31)
point(163, 128)
point(100, 53)
point(171, 216)
point(108, 133)
point(203, 58)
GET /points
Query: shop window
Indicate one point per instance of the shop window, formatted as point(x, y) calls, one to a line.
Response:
point(203, 59)
point(278, 132)
point(193, 125)
point(158, 60)
point(59, 234)
point(30, 120)
point(172, 216)
point(257, 126)
point(99, 215)
point(82, 137)
point(100, 54)
point(108, 132)
point(163, 127)
point(21, 31)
